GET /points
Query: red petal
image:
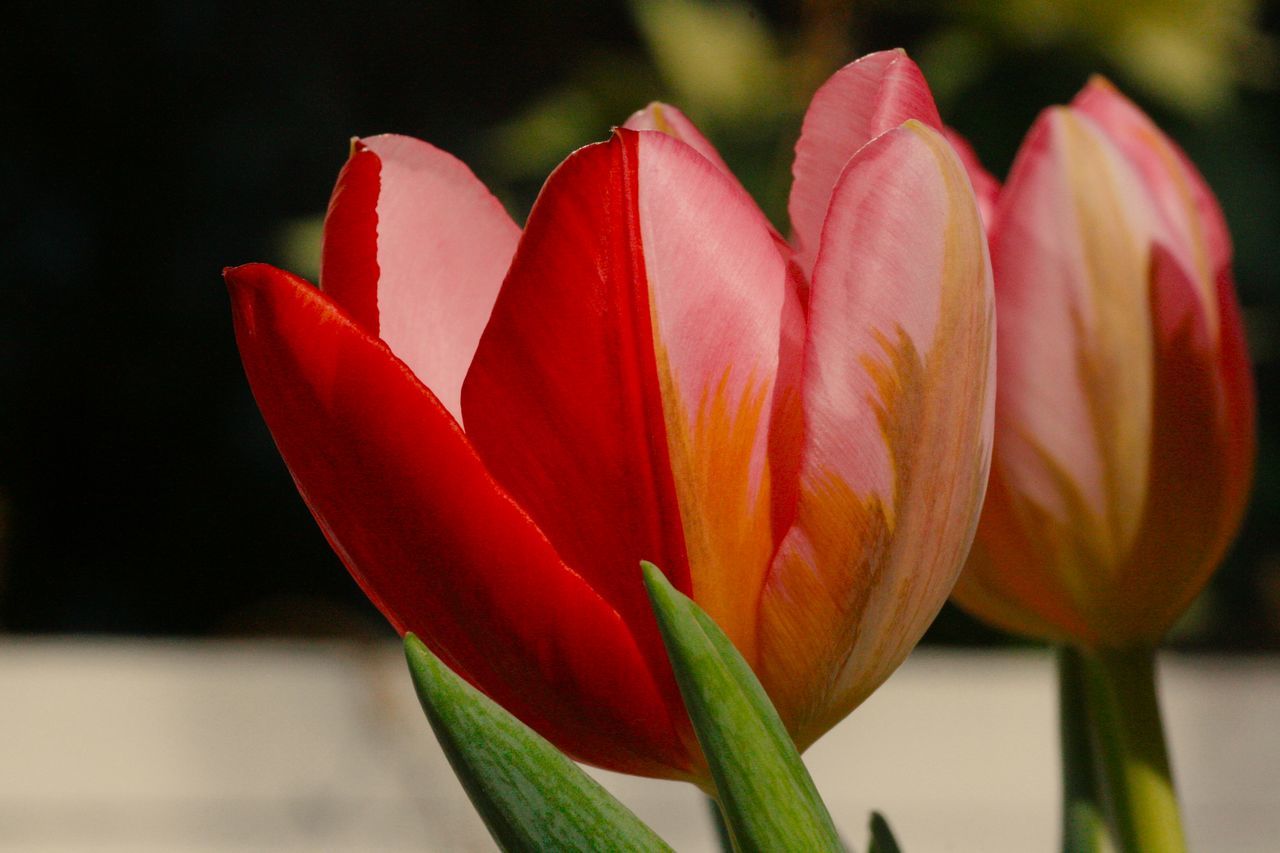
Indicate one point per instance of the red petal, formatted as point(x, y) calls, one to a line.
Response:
point(433, 540)
point(562, 400)
point(1201, 460)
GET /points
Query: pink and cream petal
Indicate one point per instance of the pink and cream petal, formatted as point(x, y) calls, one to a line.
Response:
point(1197, 230)
point(1201, 454)
point(1071, 250)
point(415, 248)
point(898, 403)
point(859, 102)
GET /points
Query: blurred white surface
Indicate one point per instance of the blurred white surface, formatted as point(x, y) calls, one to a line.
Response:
point(137, 746)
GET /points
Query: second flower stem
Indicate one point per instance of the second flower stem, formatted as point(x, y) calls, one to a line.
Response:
point(1120, 691)
point(1084, 819)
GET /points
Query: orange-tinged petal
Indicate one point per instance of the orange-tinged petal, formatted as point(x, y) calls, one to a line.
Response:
point(728, 329)
point(415, 248)
point(897, 389)
point(1201, 453)
point(1040, 573)
point(1124, 428)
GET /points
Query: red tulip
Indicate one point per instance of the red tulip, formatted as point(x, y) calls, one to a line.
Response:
point(1124, 419)
point(493, 427)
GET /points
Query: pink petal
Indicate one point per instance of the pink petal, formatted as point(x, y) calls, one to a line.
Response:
point(1198, 232)
point(416, 248)
point(861, 101)
point(1201, 458)
point(665, 118)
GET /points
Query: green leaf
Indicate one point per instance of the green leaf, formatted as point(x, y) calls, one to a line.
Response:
point(882, 840)
point(531, 796)
point(768, 800)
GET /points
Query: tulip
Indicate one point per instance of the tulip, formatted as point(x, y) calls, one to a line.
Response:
point(493, 427)
point(1124, 421)
point(1124, 436)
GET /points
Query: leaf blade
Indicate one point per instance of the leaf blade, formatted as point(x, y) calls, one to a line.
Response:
point(767, 797)
point(530, 795)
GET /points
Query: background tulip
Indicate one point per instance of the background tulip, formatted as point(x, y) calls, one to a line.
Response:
point(1124, 425)
point(493, 427)
point(1124, 438)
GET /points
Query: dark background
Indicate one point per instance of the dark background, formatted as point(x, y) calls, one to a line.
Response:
point(149, 145)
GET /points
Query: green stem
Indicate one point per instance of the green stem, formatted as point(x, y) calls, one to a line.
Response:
point(1120, 690)
point(1084, 822)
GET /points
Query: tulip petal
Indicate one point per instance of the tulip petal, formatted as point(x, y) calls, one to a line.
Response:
point(665, 118)
point(562, 401)
point(625, 389)
point(728, 333)
point(415, 249)
point(1197, 231)
point(1025, 572)
point(1201, 459)
point(434, 542)
point(1071, 252)
point(861, 101)
point(898, 388)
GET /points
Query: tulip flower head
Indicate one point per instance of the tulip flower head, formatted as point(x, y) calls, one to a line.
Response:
point(1124, 425)
point(494, 426)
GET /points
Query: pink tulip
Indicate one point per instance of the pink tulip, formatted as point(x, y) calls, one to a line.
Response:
point(493, 427)
point(1124, 418)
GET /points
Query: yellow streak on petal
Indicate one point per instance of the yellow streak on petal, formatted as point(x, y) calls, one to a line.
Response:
point(1176, 173)
point(724, 498)
point(834, 567)
point(660, 120)
point(1113, 329)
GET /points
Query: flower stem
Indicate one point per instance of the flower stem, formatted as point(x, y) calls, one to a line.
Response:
point(1120, 692)
point(1084, 820)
